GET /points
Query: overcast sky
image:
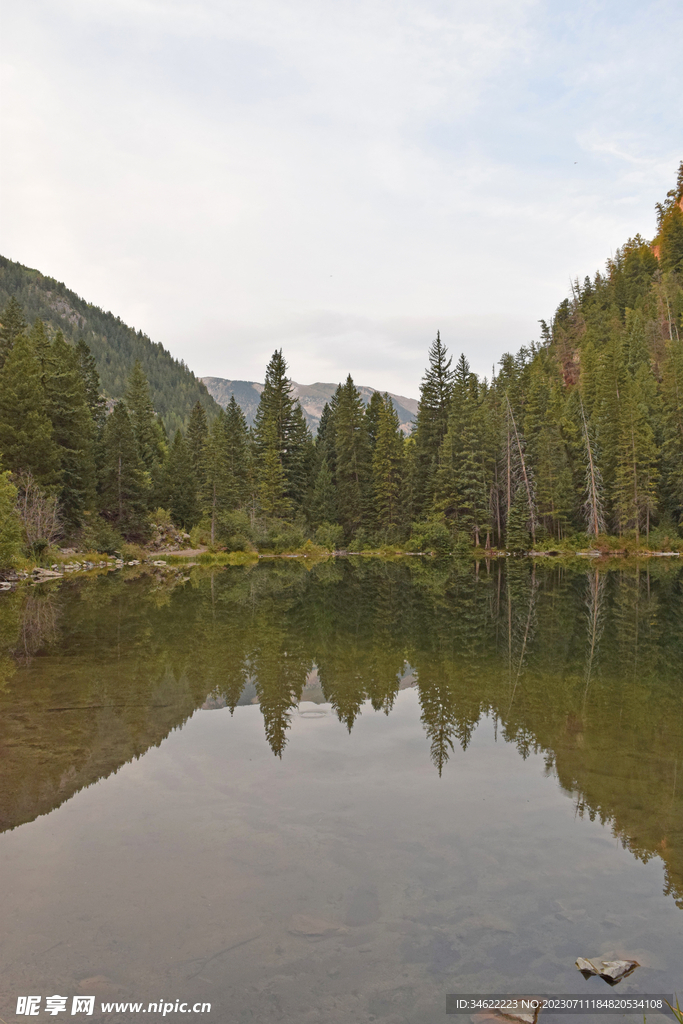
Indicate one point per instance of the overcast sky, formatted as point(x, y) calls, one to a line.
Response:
point(337, 177)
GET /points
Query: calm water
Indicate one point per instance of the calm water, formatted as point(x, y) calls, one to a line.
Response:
point(478, 777)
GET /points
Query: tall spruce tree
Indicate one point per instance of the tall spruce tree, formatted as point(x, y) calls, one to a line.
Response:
point(122, 484)
point(26, 435)
point(73, 430)
point(388, 470)
point(197, 434)
point(180, 484)
point(138, 399)
point(431, 424)
point(352, 458)
point(282, 443)
point(12, 324)
point(91, 382)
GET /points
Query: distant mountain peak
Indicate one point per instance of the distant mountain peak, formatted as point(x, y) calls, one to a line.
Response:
point(312, 397)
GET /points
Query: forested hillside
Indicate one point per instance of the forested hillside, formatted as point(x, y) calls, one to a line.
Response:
point(576, 440)
point(115, 347)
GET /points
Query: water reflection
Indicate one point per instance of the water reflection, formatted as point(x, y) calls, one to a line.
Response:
point(582, 665)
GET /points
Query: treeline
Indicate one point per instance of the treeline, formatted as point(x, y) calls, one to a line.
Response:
point(114, 345)
point(578, 436)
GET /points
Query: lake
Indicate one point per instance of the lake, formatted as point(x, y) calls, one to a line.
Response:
point(336, 792)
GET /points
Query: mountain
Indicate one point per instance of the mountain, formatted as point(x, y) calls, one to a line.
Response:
point(311, 396)
point(115, 346)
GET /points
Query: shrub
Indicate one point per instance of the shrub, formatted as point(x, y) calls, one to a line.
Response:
point(431, 535)
point(329, 535)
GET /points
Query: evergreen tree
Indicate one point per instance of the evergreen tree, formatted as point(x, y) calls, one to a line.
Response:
point(197, 434)
point(517, 534)
point(324, 499)
point(91, 382)
point(373, 414)
point(237, 456)
point(26, 436)
point(282, 443)
point(12, 324)
point(73, 430)
point(432, 423)
point(671, 246)
point(387, 469)
point(142, 416)
point(10, 527)
point(122, 485)
point(352, 458)
point(637, 463)
point(672, 449)
point(215, 491)
point(180, 484)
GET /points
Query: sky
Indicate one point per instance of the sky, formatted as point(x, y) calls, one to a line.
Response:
point(338, 179)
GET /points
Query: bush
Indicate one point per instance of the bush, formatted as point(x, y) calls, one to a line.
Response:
point(133, 551)
point(162, 517)
point(329, 535)
point(432, 535)
point(200, 535)
point(234, 531)
point(98, 535)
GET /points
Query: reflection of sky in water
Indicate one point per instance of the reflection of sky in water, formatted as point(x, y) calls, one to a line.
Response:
point(345, 881)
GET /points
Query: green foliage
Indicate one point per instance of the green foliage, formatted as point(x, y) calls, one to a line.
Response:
point(26, 435)
point(329, 536)
point(352, 457)
point(10, 526)
point(122, 488)
point(114, 346)
point(180, 484)
point(283, 445)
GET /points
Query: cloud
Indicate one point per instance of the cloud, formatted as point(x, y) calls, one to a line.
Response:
point(341, 179)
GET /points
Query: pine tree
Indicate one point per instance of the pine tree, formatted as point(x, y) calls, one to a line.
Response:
point(352, 458)
point(671, 250)
point(142, 416)
point(10, 526)
point(324, 499)
point(197, 434)
point(387, 469)
point(73, 430)
point(432, 423)
point(12, 324)
point(215, 490)
point(672, 449)
point(26, 435)
point(237, 456)
point(181, 484)
point(373, 415)
point(517, 533)
point(282, 443)
point(91, 382)
point(637, 469)
point(122, 478)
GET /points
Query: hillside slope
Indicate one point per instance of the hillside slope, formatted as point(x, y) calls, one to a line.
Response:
point(311, 396)
point(115, 346)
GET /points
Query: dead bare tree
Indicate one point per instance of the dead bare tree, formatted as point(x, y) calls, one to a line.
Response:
point(593, 508)
point(38, 511)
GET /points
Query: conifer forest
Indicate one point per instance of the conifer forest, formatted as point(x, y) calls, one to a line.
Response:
point(574, 438)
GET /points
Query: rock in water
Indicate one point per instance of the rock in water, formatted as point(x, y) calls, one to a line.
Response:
point(611, 971)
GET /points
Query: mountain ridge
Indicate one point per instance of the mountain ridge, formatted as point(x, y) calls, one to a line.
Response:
point(115, 346)
point(312, 397)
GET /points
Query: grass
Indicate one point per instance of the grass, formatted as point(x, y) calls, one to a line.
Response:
point(676, 1010)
